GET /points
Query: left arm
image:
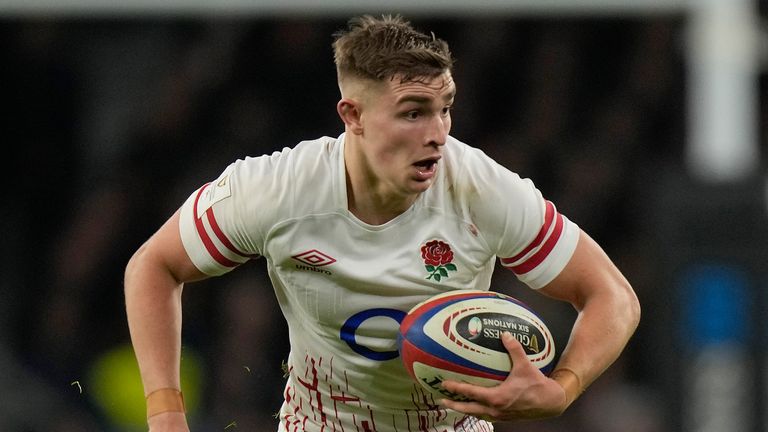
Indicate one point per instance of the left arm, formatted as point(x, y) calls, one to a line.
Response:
point(608, 314)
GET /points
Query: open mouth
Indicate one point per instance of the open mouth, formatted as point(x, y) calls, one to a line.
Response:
point(426, 168)
point(426, 165)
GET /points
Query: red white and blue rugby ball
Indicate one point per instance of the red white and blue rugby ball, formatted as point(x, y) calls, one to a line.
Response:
point(457, 336)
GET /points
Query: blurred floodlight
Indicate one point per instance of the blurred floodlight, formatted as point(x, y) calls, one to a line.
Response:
point(723, 96)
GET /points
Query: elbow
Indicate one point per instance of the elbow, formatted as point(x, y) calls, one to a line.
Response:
point(632, 308)
point(132, 268)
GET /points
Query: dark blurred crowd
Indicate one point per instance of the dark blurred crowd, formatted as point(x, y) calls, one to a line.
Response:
point(110, 124)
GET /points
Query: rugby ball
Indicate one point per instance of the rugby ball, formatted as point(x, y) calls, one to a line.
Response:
point(457, 336)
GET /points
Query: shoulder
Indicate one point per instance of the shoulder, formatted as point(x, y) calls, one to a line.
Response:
point(287, 177)
point(292, 167)
point(472, 171)
point(306, 154)
point(497, 200)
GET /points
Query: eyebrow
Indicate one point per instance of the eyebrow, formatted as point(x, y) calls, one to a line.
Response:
point(422, 99)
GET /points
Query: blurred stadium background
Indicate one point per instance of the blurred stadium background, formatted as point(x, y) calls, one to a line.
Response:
point(644, 120)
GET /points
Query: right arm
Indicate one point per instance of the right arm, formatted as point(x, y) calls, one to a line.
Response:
point(154, 279)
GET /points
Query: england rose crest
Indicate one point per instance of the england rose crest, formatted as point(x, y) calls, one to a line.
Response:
point(438, 259)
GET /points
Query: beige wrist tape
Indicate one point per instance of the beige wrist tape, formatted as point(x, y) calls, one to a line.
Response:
point(164, 400)
point(570, 381)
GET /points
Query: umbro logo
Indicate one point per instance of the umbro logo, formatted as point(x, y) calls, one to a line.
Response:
point(314, 259)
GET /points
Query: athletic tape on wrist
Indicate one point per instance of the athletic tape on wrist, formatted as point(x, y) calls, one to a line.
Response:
point(164, 400)
point(573, 386)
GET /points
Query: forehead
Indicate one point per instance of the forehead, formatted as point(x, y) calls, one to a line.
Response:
point(438, 87)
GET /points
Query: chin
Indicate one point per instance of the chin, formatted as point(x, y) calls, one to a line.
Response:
point(420, 186)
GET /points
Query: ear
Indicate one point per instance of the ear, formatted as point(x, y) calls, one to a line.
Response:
point(349, 111)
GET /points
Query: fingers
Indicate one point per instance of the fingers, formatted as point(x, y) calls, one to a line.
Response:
point(526, 393)
point(470, 391)
point(494, 402)
point(471, 408)
point(481, 394)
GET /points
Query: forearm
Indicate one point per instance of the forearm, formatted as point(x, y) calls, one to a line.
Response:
point(154, 280)
point(153, 307)
point(601, 331)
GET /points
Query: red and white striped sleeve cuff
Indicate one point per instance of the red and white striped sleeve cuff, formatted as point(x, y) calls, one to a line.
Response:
point(544, 257)
point(205, 241)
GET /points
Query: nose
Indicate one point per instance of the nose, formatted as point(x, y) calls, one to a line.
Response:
point(438, 130)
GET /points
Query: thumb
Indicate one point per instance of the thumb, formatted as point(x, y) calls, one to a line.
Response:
point(515, 348)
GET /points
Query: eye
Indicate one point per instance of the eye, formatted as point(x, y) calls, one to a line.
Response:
point(413, 114)
point(446, 110)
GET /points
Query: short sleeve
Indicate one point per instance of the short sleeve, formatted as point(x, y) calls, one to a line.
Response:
point(544, 257)
point(210, 225)
point(524, 230)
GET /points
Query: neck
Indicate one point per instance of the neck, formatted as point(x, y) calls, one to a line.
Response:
point(374, 208)
point(370, 199)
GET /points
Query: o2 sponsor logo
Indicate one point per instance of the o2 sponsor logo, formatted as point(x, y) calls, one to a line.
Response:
point(354, 322)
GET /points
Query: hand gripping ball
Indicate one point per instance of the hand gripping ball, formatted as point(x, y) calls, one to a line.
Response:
point(457, 336)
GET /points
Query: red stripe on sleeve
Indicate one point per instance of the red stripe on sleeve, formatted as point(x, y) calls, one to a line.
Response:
point(223, 238)
point(549, 216)
point(542, 253)
point(207, 242)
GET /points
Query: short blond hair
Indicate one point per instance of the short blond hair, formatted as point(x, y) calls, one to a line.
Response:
point(383, 48)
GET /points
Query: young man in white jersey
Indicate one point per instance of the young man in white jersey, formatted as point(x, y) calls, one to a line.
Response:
point(345, 225)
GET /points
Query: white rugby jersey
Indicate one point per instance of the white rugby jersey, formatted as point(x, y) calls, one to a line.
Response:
point(344, 285)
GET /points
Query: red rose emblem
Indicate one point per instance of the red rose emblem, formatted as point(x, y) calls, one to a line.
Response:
point(438, 258)
point(436, 253)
